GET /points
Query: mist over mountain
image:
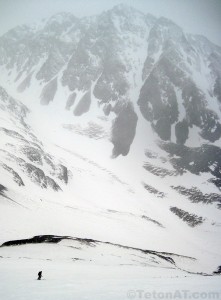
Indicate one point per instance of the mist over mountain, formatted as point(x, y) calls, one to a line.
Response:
point(111, 131)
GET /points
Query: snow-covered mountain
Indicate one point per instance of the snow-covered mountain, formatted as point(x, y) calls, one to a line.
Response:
point(111, 131)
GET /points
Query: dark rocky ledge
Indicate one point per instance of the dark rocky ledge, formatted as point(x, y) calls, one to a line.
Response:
point(196, 196)
point(153, 190)
point(218, 271)
point(191, 219)
point(90, 242)
point(152, 220)
point(3, 189)
point(204, 159)
point(158, 171)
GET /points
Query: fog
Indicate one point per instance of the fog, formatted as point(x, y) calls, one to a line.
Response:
point(194, 16)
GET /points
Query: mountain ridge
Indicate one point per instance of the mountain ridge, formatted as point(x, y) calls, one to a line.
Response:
point(117, 123)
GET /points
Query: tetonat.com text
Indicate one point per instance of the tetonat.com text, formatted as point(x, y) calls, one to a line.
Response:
point(177, 294)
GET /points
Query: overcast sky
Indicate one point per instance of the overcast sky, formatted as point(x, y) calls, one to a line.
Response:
point(194, 16)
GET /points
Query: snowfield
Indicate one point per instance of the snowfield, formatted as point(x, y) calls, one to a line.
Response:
point(110, 159)
point(77, 280)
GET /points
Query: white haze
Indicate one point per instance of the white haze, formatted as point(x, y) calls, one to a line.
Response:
point(194, 16)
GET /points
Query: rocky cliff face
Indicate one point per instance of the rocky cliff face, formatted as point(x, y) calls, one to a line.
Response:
point(112, 54)
point(22, 154)
point(121, 72)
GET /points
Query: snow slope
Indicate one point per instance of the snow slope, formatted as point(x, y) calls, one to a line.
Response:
point(84, 281)
point(87, 154)
point(104, 199)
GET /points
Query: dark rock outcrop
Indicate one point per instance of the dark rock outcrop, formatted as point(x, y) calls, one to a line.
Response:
point(164, 256)
point(12, 106)
point(62, 173)
point(33, 154)
point(159, 171)
point(206, 158)
point(151, 220)
point(123, 130)
point(3, 189)
point(16, 177)
point(196, 196)
point(84, 104)
point(218, 271)
point(49, 92)
point(191, 219)
point(169, 73)
point(152, 190)
point(163, 128)
point(182, 132)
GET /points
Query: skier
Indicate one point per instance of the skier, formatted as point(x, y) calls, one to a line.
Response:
point(39, 275)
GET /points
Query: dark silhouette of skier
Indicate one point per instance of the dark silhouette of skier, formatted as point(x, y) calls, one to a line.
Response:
point(39, 275)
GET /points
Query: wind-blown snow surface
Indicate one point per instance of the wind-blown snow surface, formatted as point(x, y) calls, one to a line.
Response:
point(79, 280)
point(87, 154)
